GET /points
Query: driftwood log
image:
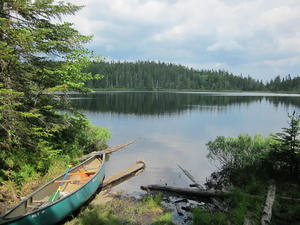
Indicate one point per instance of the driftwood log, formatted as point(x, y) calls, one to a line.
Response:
point(116, 148)
point(267, 210)
point(124, 175)
point(187, 192)
point(109, 150)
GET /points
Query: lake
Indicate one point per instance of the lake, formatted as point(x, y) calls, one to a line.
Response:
point(174, 128)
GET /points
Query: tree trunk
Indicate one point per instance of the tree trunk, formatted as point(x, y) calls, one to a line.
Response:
point(187, 192)
point(267, 210)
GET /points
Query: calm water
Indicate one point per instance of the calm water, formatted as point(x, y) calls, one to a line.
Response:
point(175, 127)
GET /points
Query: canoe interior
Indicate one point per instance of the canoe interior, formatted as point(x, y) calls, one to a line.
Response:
point(76, 179)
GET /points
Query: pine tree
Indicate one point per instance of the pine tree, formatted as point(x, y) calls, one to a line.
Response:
point(40, 56)
point(287, 152)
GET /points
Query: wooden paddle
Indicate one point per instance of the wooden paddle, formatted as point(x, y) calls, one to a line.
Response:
point(55, 195)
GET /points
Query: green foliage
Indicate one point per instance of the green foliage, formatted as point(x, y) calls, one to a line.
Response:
point(285, 154)
point(57, 166)
point(238, 153)
point(240, 205)
point(153, 202)
point(98, 216)
point(41, 55)
point(241, 161)
point(25, 175)
point(286, 212)
point(165, 219)
point(286, 208)
point(82, 137)
point(286, 84)
point(202, 217)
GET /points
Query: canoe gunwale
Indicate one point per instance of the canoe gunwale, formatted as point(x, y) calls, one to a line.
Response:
point(4, 220)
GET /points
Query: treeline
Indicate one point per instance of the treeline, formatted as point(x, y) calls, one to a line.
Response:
point(151, 75)
point(284, 84)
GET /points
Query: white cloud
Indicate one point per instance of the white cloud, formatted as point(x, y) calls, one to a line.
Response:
point(293, 61)
point(226, 45)
point(109, 47)
point(247, 36)
point(220, 65)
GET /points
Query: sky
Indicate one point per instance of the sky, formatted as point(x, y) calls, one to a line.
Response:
point(260, 38)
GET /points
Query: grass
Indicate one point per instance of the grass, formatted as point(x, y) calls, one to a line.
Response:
point(203, 217)
point(125, 210)
point(164, 219)
point(249, 201)
point(287, 205)
point(240, 205)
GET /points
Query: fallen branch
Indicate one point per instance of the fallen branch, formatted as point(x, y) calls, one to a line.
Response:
point(221, 206)
point(267, 210)
point(191, 178)
point(124, 175)
point(191, 193)
point(179, 212)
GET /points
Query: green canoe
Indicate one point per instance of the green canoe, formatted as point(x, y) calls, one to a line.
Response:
point(78, 186)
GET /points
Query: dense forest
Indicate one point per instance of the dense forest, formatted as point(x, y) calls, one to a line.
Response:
point(151, 75)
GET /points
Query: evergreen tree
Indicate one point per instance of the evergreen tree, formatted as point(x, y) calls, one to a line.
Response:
point(38, 58)
point(286, 154)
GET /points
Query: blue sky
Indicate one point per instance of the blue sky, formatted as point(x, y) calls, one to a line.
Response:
point(260, 38)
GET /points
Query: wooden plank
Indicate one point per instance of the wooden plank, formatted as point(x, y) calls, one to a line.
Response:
point(119, 177)
point(116, 179)
point(91, 167)
point(38, 201)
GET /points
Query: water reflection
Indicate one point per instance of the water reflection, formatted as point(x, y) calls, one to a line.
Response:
point(157, 103)
point(176, 127)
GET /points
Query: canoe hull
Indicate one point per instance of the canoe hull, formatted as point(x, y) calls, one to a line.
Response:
point(57, 211)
